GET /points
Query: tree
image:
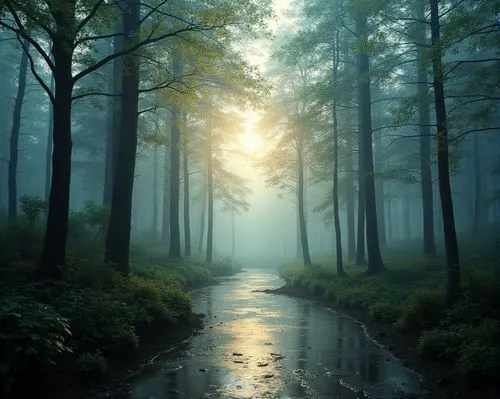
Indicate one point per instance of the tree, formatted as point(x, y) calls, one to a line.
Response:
point(450, 235)
point(14, 135)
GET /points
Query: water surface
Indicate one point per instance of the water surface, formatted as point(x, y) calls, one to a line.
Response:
point(257, 345)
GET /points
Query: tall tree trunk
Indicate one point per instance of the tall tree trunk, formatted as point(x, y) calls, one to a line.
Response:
point(424, 120)
point(48, 148)
point(175, 145)
point(480, 209)
point(114, 115)
point(389, 216)
point(118, 235)
point(155, 191)
point(450, 236)
point(336, 217)
point(351, 240)
point(202, 222)
point(14, 134)
point(375, 264)
point(298, 242)
point(53, 256)
point(360, 241)
point(379, 191)
point(166, 201)
point(302, 217)
point(187, 223)
point(407, 217)
point(210, 188)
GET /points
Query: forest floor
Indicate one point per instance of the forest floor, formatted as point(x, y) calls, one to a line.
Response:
point(456, 351)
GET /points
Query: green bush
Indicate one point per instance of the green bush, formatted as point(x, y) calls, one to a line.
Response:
point(31, 334)
point(438, 343)
point(385, 311)
point(92, 364)
point(424, 309)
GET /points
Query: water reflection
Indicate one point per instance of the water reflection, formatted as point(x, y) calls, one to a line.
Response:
point(257, 345)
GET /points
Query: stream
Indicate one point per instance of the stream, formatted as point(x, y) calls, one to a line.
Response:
point(258, 345)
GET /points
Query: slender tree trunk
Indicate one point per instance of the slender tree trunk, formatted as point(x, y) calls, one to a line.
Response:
point(202, 222)
point(48, 149)
point(302, 218)
point(351, 240)
point(424, 119)
point(14, 134)
point(118, 235)
point(407, 217)
point(114, 111)
point(336, 217)
point(155, 191)
point(210, 188)
point(379, 191)
point(360, 247)
point(166, 201)
point(480, 210)
point(450, 236)
point(389, 217)
point(298, 242)
point(375, 264)
point(175, 145)
point(53, 256)
point(187, 223)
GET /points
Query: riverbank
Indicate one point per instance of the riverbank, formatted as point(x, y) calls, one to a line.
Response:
point(456, 351)
point(90, 331)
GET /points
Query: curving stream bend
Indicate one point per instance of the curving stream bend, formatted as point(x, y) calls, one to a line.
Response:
point(256, 345)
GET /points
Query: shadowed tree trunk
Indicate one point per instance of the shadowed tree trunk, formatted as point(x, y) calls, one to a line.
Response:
point(302, 218)
point(424, 120)
point(450, 236)
point(202, 222)
point(118, 235)
point(375, 264)
point(53, 256)
point(114, 110)
point(187, 223)
point(379, 191)
point(351, 240)
point(48, 149)
point(14, 134)
point(480, 208)
point(155, 191)
point(210, 189)
point(175, 143)
point(360, 247)
point(336, 217)
point(165, 239)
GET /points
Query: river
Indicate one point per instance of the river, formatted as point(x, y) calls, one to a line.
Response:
point(258, 345)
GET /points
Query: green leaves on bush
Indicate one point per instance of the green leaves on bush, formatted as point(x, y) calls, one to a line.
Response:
point(92, 364)
point(31, 333)
point(424, 309)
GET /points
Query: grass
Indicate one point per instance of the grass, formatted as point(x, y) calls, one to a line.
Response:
point(411, 293)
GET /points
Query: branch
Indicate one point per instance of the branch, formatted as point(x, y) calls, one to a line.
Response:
point(142, 43)
point(398, 126)
point(473, 131)
point(97, 37)
point(91, 14)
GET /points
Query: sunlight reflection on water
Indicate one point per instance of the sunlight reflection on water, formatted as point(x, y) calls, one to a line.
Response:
point(257, 345)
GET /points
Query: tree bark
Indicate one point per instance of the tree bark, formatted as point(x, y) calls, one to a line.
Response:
point(54, 244)
point(424, 119)
point(48, 149)
point(14, 135)
point(360, 242)
point(379, 191)
point(351, 240)
point(302, 218)
point(453, 290)
point(166, 201)
point(336, 217)
point(155, 191)
point(210, 188)
point(175, 156)
point(202, 222)
point(114, 114)
point(187, 222)
point(375, 264)
point(480, 209)
point(118, 235)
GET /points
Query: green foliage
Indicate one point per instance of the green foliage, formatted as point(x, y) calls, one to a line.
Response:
point(385, 311)
point(32, 209)
point(424, 309)
point(92, 364)
point(31, 334)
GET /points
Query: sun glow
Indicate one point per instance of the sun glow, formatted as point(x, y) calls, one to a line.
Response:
point(250, 141)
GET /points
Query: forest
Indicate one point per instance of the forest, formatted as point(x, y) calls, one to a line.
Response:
point(154, 149)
